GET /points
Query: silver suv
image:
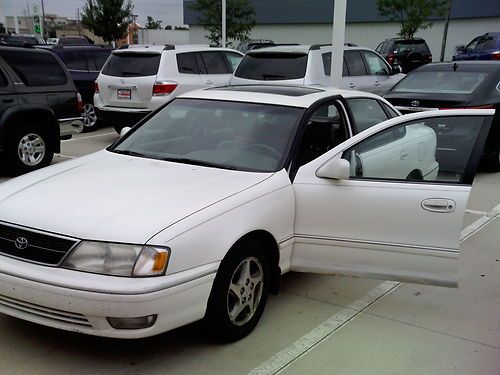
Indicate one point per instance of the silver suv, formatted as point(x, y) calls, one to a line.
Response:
point(364, 69)
point(137, 80)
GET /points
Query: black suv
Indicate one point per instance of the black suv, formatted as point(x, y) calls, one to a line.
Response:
point(84, 63)
point(39, 105)
point(407, 53)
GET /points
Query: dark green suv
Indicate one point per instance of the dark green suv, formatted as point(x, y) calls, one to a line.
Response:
point(39, 106)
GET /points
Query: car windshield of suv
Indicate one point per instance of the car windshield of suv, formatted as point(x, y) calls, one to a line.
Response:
point(272, 66)
point(441, 82)
point(411, 45)
point(132, 64)
point(214, 133)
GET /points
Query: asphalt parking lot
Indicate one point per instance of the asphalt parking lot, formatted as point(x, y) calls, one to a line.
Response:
point(318, 324)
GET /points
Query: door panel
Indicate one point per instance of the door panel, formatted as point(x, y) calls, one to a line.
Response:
point(385, 222)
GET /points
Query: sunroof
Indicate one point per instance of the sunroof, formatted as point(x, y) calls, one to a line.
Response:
point(269, 89)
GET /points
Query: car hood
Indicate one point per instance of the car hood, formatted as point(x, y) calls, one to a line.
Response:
point(115, 197)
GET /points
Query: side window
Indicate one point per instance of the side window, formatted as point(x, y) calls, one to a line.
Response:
point(327, 64)
point(3, 80)
point(392, 113)
point(214, 62)
point(186, 63)
point(434, 149)
point(366, 113)
point(233, 60)
point(46, 71)
point(100, 58)
point(472, 45)
point(75, 60)
point(379, 47)
point(375, 65)
point(354, 63)
point(325, 129)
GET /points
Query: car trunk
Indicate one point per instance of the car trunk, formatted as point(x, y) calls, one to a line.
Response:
point(414, 102)
point(127, 79)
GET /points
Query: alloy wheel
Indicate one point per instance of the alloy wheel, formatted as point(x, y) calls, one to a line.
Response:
point(31, 149)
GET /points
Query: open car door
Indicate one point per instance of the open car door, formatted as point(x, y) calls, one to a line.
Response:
point(389, 203)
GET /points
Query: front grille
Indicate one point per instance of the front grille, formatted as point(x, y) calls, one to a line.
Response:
point(41, 247)
point(43, 312)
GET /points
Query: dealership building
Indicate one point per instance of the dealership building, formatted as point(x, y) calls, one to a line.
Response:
point(310, 22)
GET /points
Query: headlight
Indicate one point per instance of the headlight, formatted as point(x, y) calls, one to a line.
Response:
point(118, 259)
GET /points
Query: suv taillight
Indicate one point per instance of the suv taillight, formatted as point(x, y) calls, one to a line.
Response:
point(428, 57)
point(390, 58)
point(495, 55)
point(79, 102)
point(96, 87)
point(161, 88)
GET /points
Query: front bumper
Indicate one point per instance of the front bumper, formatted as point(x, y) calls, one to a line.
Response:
point(70, 126)
point(65, 300)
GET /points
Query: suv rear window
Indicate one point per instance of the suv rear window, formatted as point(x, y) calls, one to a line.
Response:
point(272, 66)
point(411, 45)
point(132, 65)
point(45, 72)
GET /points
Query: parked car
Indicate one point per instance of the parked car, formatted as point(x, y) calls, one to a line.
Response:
point(226, 198)
point(483, 47)
point(39, 105)
point(363, 68)
point(251, 44)
point(464, 84)
point(20, 40)
point(135, 81)
point(52, 40)
point(73, 40)
point(84, 63)
point(407, 53)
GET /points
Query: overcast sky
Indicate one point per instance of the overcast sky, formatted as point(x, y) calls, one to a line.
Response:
point(168, 11)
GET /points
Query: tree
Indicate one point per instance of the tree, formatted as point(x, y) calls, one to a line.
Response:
point(240, 19)
point(412, 14)
point(152, 24)
point(108, 19)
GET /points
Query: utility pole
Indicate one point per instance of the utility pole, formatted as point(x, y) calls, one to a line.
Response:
point(43, 22)
point(445, 31)
point(338, 38)
point(224, 23)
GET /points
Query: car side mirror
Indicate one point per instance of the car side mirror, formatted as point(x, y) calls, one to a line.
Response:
point(124, 131)
point(460, 48)
point(396, 69)
point(337, 169)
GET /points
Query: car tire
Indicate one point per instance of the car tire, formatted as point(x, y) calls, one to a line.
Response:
point(239, 292)
point(90, 122)
point(28, 147)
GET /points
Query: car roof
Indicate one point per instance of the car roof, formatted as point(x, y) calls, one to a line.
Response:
point(29, 49)
point(302, 48)
point(485, 66)
point(169, 47)
point(293, 96)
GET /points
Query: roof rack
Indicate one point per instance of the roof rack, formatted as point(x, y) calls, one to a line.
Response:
point(318, 46)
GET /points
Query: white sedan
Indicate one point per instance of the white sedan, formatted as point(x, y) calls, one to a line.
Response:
point(197, 211)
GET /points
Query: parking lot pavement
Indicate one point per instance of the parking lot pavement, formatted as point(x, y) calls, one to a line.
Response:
point(372, 327)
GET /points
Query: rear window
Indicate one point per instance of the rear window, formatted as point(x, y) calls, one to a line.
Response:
point(132, 65)
point(75, 60)
point(45, 72)
point(100, 58)
point(441, 82)
point(73, 41)
point(272, 66)
point(411, 46)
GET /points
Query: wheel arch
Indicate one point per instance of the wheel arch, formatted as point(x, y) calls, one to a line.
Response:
point(38, 115)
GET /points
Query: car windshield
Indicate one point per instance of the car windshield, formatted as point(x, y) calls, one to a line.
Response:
point(221, 134)
point(452, 82)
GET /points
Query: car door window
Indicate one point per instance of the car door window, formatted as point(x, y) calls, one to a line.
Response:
point(100, 58)
point(379, 47)
point(432, 149)
point(375, 65)
point(3, 80)
point(366, 113)
point(233, 60)
point(186, 63)
point(472, 45)
point(75, 60)
point(355, 64)
point(327, 64)
point(214, 63)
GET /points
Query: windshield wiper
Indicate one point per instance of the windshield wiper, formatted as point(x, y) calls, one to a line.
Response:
point(130, 152)
point(197, 162)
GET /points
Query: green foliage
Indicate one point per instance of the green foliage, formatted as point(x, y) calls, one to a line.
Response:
point(152, 24)
point(412, 14)
point(240, 19)
point(108, 19)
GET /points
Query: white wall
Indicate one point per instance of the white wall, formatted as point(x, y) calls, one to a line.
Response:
point(367, 34)
point(159, 37)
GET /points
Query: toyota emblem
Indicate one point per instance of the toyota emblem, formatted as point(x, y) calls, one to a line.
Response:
point(21, 243)
point(415, 103)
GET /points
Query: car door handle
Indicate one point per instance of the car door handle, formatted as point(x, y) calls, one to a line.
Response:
point(209, 83)
point(377, 83)
point(352, 85)
point(441, 205)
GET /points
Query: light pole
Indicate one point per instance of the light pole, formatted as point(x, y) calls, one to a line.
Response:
point(43, 22)
point(224, 23)
point(338, 37)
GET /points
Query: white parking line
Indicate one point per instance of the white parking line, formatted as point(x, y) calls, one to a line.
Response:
point(89, 136)
point(310, 340)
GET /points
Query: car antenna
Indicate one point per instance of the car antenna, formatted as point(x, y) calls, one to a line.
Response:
point(455, 67)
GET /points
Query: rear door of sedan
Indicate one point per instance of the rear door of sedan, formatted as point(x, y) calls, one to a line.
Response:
point(384, 205)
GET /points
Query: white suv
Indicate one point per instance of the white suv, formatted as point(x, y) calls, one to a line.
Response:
point(363, 68)
point(137, 80)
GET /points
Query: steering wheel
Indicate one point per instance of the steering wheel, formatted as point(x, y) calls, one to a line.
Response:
point(265, 149)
